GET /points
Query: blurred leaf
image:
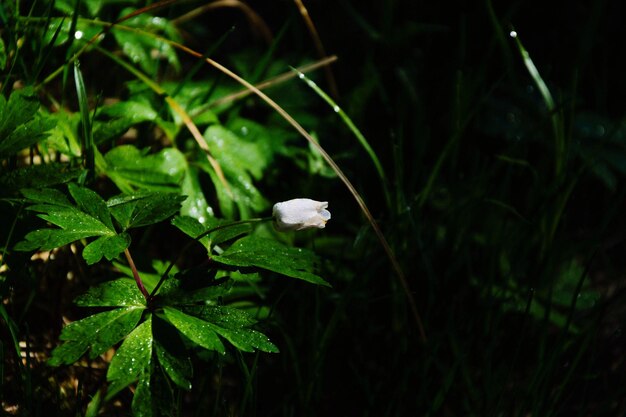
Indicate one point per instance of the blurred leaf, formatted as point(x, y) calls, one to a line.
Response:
point(121, 292)
point(144, 49)
point(138, 210)
point(252, 251)
point(19, 109)
point(196, 204)
point(37, 176)
point(132, 360)
point(3, 55)
point(149, 278)
point(19, 126)
point(131, 169)
point(242, 161)
point(196, 330)
point(64, 137)
point(100, 332)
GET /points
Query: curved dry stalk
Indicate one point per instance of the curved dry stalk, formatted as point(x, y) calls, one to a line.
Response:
point(253, 17)
point(268, 83)
point(319, 46)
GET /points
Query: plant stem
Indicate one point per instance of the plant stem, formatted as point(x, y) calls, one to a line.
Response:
point(142, 288)
point(197, 238)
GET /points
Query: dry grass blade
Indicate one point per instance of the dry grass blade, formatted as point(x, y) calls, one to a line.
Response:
point(255, 20)
point(319, 46)
point(270, 82)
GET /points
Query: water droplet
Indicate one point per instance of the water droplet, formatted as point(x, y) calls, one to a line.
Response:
point(78, 34)
point(336, 109)
point(513, 34)
point(301, 76)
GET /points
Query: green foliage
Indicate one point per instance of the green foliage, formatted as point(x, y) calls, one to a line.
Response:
point(19, 126)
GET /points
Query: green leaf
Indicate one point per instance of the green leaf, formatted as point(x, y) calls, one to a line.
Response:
point(191, 227)
point(138, 210)
point(177, 368)
point(130, 169)
point(195, 205)
point(3, 55)
point(91, 203)
point(242, 162)
point(90, 218)
point(37, 176)
point(132, 360)
point(175, 292)
point(100, 332)
point(252, 251)
point(139, 47)
point(142, 404)
point(247, 340)
point(108, 246)
point(232, 324)
point(18, 110)
point(121, 292)
point(25, 135)
point(196, 330)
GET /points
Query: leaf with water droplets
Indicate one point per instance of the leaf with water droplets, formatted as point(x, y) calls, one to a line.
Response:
point(132, 359)
point(90, 217)
point(233, 325)
point(100, 332)
point(108, 246)
point(121, 292)
point(196, 330)
point(228, 229)
point(252, 251)
point(143, 209)
point(142, 404)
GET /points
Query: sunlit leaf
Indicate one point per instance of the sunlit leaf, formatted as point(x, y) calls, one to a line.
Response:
point(252, 251)
point(121, 292)
point(196, 330)
point(98, 332)
point(132, 359)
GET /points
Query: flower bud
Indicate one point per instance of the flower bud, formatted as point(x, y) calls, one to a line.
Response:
point(299, 214)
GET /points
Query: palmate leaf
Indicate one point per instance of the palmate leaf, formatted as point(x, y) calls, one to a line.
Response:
point(252, 251)
point(90, 217)
point(98, 332)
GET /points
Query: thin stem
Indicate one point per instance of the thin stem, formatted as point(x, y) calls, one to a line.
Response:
point(136, 274)
point(196, 239)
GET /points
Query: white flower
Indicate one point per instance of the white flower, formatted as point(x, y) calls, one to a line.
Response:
point(300, 213)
